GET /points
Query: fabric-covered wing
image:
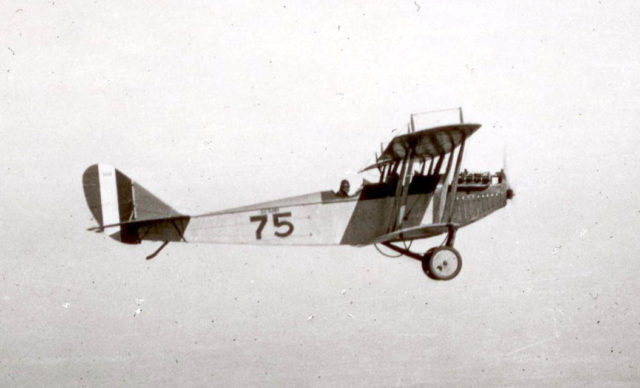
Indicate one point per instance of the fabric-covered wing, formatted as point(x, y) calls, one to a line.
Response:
point(426, 144)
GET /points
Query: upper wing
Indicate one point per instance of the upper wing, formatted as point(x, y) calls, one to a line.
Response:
point(415, 232)
point(425, 144)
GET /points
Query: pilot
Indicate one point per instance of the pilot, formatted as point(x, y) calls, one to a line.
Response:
point(344, 189)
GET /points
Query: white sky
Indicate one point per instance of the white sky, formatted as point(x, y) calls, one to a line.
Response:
point(218, 104)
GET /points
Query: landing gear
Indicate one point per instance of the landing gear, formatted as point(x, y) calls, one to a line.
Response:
point(442, 263)
point(445, 262)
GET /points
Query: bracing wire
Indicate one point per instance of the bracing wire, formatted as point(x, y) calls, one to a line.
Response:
point(404, 243)
point(385, 254)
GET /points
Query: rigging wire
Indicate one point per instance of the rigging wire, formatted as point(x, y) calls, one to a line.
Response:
point(384, 254)
point(404, 243)
point(443, 241)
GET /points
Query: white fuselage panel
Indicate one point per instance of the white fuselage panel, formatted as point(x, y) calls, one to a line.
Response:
point(311, 223)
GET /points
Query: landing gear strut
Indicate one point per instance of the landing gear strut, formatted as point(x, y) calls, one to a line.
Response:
point(440, 263)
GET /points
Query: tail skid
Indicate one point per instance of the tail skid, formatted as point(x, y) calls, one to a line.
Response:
point(157, 251)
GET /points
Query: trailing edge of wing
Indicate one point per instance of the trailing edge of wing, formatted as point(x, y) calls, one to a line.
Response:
point(415, 232)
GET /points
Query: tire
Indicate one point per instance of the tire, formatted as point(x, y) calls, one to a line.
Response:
point(425, 262)
point(444, 263)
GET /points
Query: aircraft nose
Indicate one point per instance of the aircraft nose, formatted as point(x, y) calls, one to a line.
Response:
point(510, 193)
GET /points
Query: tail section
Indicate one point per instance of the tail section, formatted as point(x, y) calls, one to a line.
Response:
point(123, 207)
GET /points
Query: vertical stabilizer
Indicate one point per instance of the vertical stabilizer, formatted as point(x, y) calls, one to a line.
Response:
point(113, 198)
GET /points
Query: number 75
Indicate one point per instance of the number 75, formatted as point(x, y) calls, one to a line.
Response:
point(277, 222)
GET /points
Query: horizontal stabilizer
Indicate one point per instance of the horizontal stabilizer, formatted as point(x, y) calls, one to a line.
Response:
point(146, 221)
point(118, 202)
point(415, 232)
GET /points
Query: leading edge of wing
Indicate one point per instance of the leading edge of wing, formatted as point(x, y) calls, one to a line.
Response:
point(415, 232)
point(425, 144)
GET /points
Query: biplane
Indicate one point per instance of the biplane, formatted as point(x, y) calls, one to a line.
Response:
point(420, 193)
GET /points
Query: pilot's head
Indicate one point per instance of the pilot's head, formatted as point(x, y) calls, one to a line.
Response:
point(344, 187)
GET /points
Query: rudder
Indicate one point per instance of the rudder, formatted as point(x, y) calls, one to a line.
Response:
point(113, 198)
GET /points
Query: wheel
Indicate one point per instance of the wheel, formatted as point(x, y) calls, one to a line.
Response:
point(425, 261)
point(444, 263)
